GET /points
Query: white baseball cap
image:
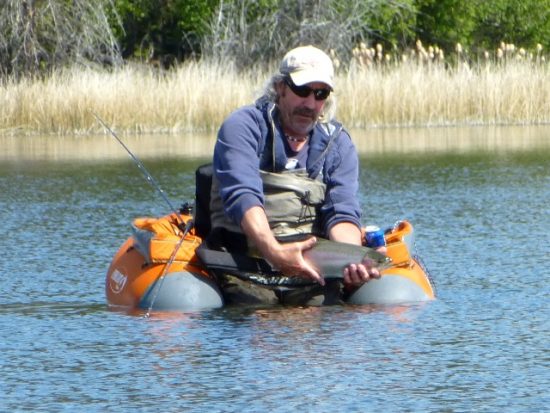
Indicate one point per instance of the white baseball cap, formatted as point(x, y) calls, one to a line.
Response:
point(306, 64)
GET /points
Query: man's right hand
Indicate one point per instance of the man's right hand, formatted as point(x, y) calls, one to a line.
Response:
point(287, 258)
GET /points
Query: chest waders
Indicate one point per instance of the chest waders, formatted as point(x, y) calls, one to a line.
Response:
point(292, 202)
point(292, 199)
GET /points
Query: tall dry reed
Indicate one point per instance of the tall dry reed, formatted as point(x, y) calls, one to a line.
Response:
point(135, 99)
point(411, 93)
point(198, 96)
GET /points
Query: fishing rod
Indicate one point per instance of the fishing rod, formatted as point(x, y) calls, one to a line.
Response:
point(142, 168)
point(185, 227)
point(160, 281)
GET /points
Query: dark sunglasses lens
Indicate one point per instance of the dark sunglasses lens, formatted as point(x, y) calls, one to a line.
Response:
point(302, 91)
point(321, 94)
point(305, 91)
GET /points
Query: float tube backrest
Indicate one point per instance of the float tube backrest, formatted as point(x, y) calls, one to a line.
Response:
point(203, 185)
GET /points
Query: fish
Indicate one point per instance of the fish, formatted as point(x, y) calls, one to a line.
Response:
point(329, 258)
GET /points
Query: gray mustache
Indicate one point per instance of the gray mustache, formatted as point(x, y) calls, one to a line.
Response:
point(304, 112)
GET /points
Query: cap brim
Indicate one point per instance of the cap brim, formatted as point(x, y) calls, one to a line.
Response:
point(302, 77)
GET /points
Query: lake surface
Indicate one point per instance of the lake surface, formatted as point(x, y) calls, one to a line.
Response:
point(478, 198)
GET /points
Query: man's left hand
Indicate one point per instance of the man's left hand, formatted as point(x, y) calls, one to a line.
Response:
point(356, 275)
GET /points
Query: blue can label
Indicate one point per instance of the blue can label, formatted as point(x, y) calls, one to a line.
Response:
point(374, 237)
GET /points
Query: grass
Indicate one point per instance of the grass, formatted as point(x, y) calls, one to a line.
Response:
point(410, 95)
point(373, 92)
point(132, 100)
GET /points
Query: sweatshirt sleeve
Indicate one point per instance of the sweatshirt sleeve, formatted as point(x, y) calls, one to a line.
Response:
point(341, 202)
point(236, 163)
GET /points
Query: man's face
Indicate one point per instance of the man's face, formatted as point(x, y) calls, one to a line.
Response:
point(299, 114)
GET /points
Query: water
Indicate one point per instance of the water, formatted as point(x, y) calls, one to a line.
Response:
point(480, 217)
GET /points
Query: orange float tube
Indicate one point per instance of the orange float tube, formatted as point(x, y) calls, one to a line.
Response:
point(406, 281)
point(142, 266)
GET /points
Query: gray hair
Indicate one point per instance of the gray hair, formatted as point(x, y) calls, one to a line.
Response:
point(270, 93)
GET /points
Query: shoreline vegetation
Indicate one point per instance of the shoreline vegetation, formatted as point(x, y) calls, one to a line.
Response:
point(420, 87)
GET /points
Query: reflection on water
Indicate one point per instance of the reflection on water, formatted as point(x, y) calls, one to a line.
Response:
point(98, 148)
point(371, 141)
point(453, 139)
point(46, 308)
point(479, 210)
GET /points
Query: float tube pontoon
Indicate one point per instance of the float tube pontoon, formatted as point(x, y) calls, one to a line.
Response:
point(162, 267)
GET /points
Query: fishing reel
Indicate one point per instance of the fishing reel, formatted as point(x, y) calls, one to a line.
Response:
point(186, 208)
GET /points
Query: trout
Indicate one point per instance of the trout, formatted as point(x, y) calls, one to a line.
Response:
point(329, 258)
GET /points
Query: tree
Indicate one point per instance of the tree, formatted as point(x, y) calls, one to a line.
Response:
point(445, 22)
point(483, 24)
point(250, 31)
point(521, 22)
point(163, 30)
point(36, 36)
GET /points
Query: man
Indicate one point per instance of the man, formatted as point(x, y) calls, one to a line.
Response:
point(283, 167)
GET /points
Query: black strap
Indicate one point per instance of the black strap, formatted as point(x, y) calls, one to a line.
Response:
point(226, 261)
point(255, 270)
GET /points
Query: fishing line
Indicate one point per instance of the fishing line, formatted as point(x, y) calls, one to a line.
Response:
point(142, 168)
point(155, 185)
point(160, 281)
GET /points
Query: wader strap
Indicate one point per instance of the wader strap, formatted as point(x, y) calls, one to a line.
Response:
point(333, 135)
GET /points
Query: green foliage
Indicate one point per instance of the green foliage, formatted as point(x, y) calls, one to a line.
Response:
point(521, 22)
point(483, 24)
point(445, 22)
point(391, 23)
point(36, 36)
point(163, 29)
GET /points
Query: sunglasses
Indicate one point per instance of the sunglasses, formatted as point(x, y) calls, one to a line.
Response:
point(305, 91)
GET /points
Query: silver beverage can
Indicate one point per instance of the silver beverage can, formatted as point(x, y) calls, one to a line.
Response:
point(374, 237)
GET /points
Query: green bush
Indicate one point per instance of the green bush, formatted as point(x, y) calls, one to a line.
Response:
point(165, 30)
point(483, 24)
point(37, 36)
point(521, 22)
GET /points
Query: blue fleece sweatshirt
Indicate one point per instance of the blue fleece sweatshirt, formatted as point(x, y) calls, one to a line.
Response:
point(251, 139)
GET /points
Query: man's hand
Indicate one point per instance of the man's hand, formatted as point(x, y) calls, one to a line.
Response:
point(359, 273)
point(288, 257)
